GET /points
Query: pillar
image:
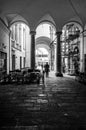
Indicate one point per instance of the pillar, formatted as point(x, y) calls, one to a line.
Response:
point(20, 34)
point(58, 55)
point(16, 37)
point(32, 49)
point(13, 31)
point(52, 57)
point(82, 69)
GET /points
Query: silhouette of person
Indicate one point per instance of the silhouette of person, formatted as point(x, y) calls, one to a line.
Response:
point(47, 69)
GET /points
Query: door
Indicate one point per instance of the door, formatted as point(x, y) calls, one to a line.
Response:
point(13, 62)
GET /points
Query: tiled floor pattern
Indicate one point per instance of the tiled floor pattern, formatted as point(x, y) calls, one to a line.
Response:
point(59, 104)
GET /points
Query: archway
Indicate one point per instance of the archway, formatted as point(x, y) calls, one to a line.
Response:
point(45, 38)
point(42, 56)
point(72, 48)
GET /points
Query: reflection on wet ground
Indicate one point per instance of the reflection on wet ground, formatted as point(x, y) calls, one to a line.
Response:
point(59, 104)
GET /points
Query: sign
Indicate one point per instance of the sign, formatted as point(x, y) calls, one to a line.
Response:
point(1, 63)
point(2, 46)
point(42, 55)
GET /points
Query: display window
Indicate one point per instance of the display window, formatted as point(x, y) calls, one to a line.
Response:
point(3, 61)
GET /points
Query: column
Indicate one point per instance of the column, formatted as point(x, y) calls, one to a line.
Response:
point(16, 36)
point(58, 55)
point(24, 39)
point(52, 57)
point(13, 32)
point(69, 58)
point(8, 47)
point(32, 49)
point(20, 33)
point(82, 64)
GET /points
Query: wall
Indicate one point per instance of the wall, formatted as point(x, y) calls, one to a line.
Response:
point(23, 40)
point(4, 39)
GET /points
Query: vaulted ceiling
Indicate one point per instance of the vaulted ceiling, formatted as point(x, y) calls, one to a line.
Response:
point(43, 42)
point(32, 12)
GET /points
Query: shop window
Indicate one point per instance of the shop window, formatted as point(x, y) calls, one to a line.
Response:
point(24, 62)
point(3, 61)
point(20, 62)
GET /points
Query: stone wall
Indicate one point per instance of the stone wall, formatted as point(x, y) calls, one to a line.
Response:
point(4, 41)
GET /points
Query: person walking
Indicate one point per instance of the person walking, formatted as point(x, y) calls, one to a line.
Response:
point(46, 69)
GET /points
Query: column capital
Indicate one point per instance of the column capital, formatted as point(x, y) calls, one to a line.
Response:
point(32, 32)
point(58, 33)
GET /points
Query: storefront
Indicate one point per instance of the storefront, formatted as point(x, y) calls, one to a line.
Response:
point(3, 61)
point(3, 58)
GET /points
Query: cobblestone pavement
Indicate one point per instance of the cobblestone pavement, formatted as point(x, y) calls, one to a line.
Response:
point(59, 104)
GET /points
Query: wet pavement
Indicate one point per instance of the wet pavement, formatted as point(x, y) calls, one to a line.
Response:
point(59, 104)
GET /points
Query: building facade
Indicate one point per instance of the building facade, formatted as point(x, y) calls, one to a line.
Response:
point(67, 50)
point(19, 46)
point(4, 47)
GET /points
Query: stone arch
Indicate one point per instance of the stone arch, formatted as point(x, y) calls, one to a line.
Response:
point(78, 24)
point(79, 44)
point(10, 19)
point(43, 42)
point(46, 41)
point(42, 59)
point(43, 46)
point(13, 18)
point(46, 19)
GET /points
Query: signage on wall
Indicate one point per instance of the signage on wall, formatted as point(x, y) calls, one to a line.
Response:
point(2, 47)
point(42, 55)
point(1, 63)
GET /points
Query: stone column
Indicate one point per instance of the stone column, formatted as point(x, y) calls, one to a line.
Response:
point(20, 34)
point(16, 36)
point(32, 49)
point(13, 29)
point(52, 57)
point(82, 64)
point(58, 55)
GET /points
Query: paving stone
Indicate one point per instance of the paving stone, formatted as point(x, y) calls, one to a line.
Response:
point(59, 104)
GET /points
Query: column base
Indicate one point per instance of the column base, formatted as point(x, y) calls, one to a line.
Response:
point(58, 74)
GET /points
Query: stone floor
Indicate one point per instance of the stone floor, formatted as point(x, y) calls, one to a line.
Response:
point(59, 104)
